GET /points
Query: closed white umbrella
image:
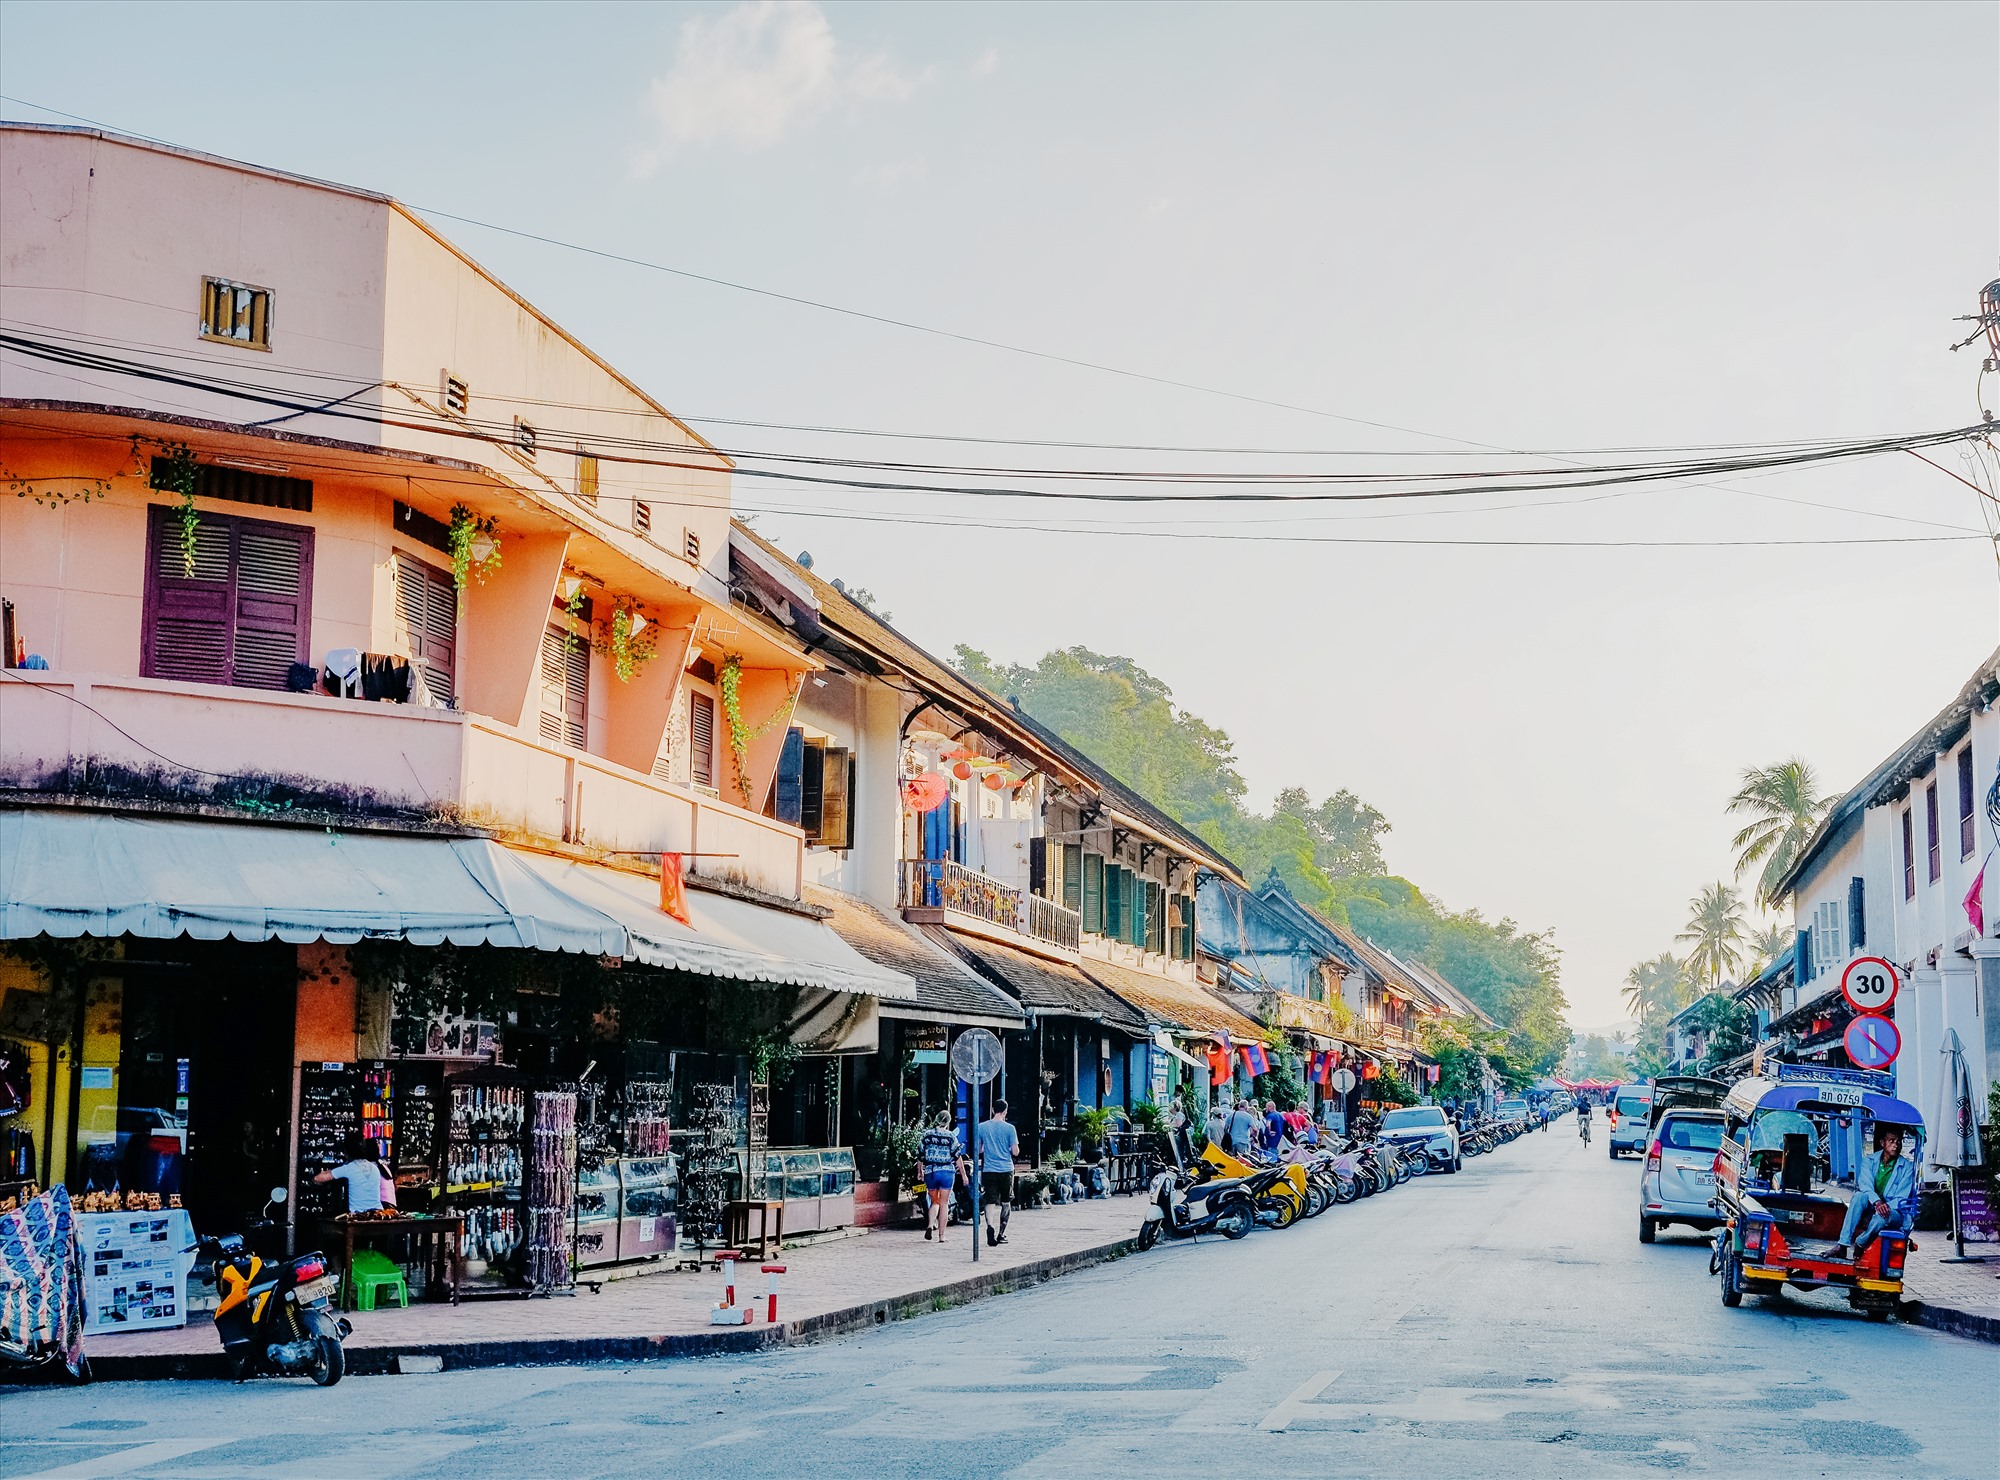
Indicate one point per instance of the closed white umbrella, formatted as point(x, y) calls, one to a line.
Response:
point(1955, 1127)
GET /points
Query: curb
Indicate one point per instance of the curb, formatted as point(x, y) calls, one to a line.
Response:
point(1967, 1323)
point(461, 1356)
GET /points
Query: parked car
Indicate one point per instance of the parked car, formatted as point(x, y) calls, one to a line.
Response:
point(1631, 1108)
point(1685, 1092)
point(1678, 1185)
point(1426, 1126)
point(1514, 1110)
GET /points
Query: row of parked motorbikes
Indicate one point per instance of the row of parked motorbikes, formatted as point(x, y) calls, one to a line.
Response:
point(1222, 1192)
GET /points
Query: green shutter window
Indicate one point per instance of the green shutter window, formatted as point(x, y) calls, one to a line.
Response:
point(1114, 901)
point(1156, 919)
point(1187, 927)
point(1072, 875)
point(1093, 893)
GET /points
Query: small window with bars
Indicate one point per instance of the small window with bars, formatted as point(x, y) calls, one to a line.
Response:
point(691, 545)
point(235, 313)
point(586, 476)
point(642, 517)
point(457, 395)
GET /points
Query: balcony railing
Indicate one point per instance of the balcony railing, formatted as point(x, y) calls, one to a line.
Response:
point(110, 736)
point(939, 884)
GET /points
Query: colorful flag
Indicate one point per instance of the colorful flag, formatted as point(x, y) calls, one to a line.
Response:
point(673, 888)
point(1255, 1060)
point(1975, 905)
point(1371, 1070)
point(1218, 1064)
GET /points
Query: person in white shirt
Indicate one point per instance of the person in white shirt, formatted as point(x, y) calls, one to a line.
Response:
point(368, 1185)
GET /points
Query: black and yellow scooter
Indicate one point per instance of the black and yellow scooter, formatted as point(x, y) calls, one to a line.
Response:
point(275, 1318)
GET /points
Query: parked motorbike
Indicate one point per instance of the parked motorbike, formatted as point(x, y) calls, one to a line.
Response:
point(1184, 1206)
point(275, 1318)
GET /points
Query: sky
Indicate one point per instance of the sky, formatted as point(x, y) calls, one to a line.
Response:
point(1424, 229)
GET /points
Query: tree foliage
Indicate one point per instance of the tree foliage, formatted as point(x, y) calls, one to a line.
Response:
point(1655, 990)
point(1328, 853)
point(1785, 808)
point(1714, 934)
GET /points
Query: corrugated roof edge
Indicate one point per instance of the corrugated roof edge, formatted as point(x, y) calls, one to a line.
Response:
point(1879, 784)
point(856, 622)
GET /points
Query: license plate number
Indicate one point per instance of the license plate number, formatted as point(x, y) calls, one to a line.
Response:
point(322, 1288)
point(1700, 1179)
point(1836, 1095)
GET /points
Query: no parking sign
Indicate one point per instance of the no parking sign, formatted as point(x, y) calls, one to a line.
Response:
point(1872, 1042)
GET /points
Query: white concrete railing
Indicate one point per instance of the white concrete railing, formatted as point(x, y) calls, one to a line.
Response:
point(385, 755)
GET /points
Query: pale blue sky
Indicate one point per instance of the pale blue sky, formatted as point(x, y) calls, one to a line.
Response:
point(1553, 227)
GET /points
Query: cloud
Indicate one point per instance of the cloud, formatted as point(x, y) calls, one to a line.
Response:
point(988, 63)
point(760, 70)
point(890, 176)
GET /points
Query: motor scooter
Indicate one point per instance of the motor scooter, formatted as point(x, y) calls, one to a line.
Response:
point(275, 1318)
point(1184, 1206)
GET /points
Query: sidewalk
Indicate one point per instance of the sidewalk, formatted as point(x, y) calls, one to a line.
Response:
point(828, 1288)
point(1961, 1298)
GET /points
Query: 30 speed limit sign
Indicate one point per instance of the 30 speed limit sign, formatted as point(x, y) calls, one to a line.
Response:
point(1869, 984)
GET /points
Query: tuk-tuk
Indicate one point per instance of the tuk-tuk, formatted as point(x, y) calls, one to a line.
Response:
point(1791, 1154)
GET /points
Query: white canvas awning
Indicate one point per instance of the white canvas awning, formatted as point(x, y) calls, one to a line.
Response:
point(76, 873)
point(69, 874)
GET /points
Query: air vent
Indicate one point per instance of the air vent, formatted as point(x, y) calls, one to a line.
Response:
point(586, 476)
point(642, 517)
point(691, 545)
point(457, 395)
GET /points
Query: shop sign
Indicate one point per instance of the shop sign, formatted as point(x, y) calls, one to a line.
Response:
point(928, 1044)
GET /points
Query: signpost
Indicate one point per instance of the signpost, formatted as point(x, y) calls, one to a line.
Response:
point(976, 1059)
point(1872, 1042)
point(1869, 984)
point(1343, 1080)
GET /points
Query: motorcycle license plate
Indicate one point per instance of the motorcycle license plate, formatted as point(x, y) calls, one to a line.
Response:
point(322, 1288)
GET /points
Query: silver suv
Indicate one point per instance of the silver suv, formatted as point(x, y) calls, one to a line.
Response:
point(1631, 1108)
point(1678, 1185)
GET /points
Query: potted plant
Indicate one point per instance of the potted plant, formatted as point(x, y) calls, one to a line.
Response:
point(1093, 1130)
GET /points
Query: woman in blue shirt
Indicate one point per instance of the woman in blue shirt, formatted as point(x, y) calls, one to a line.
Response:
point(937, 1149)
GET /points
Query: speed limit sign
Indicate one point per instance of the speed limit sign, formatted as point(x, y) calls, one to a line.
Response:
point(1869, 984)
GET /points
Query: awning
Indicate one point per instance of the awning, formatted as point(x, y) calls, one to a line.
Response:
point(74, 873)
point(948, 991)
point(1164, 1041)
point(1048, 988)
point(1165, 999)
point(730, 937)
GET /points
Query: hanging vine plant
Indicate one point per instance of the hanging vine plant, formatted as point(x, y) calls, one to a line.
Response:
point(729, 683)
point(175, 471)
point(474, 542)
point(574, 605)
point(631, 641)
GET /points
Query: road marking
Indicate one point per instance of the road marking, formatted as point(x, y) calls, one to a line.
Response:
point(125, 1461)
point(1294, 1403)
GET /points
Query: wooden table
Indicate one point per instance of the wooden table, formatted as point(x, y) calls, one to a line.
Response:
point(440, 1264)
point(770, 1225)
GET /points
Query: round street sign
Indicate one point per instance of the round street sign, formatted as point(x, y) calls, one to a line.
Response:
point(1343, 1080)
point(1873, 1042)
point(975, 1057)
point(1869, 984)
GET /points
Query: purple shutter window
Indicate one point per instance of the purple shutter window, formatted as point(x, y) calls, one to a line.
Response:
point(242, 616)
point(1934, 852)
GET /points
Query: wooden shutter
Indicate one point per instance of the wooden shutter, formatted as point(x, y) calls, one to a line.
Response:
point(1909, 857)
point(565, 688)
point(188, 623)
point(788, 795)
point(243, 617)
point(1114, 901)
point(812, 788)
point(836, 823)
point(1802, 950)
point(701, 739)
point(1072, 876)
point(1857, 923)
point(1093, 892)
point(1038, 866)
point(427, 621)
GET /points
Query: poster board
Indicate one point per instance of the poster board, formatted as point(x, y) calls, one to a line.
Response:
point(134, 1269)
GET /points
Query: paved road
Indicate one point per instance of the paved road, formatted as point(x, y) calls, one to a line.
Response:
point(1505, 1321)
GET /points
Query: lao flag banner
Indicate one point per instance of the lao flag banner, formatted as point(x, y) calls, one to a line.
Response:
point(1256, 1060)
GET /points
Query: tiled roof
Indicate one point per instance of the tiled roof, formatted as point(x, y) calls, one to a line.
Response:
point(1177, 1004)
point(947, 989)
point(1047, 987)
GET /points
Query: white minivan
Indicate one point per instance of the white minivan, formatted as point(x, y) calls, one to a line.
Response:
point(1631, 1108)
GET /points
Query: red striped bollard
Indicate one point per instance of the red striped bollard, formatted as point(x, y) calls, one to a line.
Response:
point(727, 1258)
point(771, 1292)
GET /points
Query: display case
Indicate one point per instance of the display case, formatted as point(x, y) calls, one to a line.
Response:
point(836, 1193)
point(598, 1205)
point(816, 1186)
point(648, 1222)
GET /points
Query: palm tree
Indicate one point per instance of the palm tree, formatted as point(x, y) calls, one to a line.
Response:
point(1714, 934)
point(1787, 809)
point(1765, 945)
point(1655, 989)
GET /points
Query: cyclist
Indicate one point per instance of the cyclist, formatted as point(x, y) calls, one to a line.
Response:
point(1583, 1120)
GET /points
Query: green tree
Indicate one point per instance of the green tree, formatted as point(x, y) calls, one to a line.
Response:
point(1714, 934)
point(1345, 832)
point(1765, 944)
point(1730, 1030)
point(1785, 808)
point(1656, 989)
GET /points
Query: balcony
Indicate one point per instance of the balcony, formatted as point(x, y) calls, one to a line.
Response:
point(259, 753)
point(1375, 1033)
point(946, 893)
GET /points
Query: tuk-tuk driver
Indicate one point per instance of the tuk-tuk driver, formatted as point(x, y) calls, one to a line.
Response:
point(1882, 1192)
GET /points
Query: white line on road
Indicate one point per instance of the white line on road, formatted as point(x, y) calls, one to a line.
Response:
point(1274, 1422)
point(125, 1461)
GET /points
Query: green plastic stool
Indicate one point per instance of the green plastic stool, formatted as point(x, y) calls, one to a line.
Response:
point(374, 1272)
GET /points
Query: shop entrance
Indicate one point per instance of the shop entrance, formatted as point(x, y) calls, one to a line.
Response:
point(184, 1081)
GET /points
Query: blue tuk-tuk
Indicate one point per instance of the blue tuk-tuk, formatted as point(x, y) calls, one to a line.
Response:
point(1791, 1154)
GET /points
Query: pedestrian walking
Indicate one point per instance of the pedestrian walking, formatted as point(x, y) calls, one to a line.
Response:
point(1218, 1125)
point(995, 1143)
point(1274, 1128)
point(937, 1149)
point(1244, 1130)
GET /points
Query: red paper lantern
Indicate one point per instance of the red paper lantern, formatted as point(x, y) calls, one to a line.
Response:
point(962, 771)
point(996, 780)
